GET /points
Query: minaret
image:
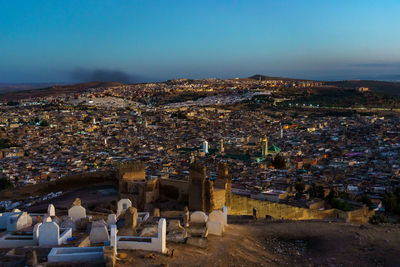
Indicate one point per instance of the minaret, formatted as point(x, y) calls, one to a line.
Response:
point(221, 146)
point(105, 141)
point(205, 147)
point(265, 147)
point(281, 132)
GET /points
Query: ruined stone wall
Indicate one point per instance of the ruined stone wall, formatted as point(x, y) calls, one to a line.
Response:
point(244, 206)
point(360, 216)
point(197, 183)
point(132, 171)
point(219, 198)
point(208, 201)
point(228, 192)
point(174, 189)
point(222, 175)
point(152, 191)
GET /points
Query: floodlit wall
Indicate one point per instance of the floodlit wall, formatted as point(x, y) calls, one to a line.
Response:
point(132, 171)
point(244, 206)
point(219, 198)
point(361, 215)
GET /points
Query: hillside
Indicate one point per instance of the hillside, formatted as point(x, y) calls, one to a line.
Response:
point(55, 90)
point(265, 77)
point(264, 243)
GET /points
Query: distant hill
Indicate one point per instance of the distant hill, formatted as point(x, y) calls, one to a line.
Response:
point(13, 87)
point(55, 90)
point(265, 77)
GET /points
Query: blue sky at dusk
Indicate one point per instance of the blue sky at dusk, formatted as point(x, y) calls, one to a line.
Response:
point(71, 41)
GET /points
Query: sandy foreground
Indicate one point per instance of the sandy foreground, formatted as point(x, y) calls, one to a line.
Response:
point(265, 243)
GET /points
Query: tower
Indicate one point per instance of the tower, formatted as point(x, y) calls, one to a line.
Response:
point(221, 145)
point(281, 132)
point(192, 158)
point(205, 147)
point(197, 187)
point(265, 147)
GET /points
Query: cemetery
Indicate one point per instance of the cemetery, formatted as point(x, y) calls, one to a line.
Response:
point(79, 237)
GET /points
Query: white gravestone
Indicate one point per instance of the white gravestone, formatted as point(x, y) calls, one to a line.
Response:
point(215, 228)
point(36, 232)
point(99, 232)
point(47, 219)
point(198, 217)
point(77, 212)
point(18, 221)
point(113, 237)
point(49, 233)
point(111, 219)
point(51, 210)
point(217, 216)
point(123, 205)
point(225, 212)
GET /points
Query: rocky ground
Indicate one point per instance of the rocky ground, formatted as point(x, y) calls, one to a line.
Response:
point(275, 243)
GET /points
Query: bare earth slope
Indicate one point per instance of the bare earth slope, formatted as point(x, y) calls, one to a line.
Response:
point(285, 243)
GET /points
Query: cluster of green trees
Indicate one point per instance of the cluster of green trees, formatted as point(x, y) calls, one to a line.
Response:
point(378, 218)
point(4, 183)
point(180, 115)
point(316, 191)
point(5, 143)
point(391, 201)
point(337, 201)
point(340, 204)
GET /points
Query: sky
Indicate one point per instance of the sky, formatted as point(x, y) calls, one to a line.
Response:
point(146, 40)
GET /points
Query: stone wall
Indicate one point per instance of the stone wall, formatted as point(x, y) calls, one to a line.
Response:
point(132, 171)
point(197, 183)
point(244, 206)
point(219, 198)
point(174, 189)
point(360, 216)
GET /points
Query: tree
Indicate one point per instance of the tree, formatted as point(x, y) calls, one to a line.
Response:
point(44, 123)
point(339, 204)
point(366, 200)
point(378, 218)
point(279, 162)
point(390, 202)
point(4, 143)
point(4, 183)
point(332, 194)
point(316, 191)
point(299, 186)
